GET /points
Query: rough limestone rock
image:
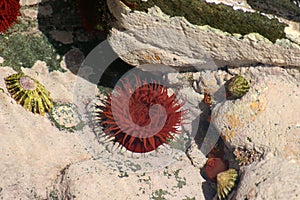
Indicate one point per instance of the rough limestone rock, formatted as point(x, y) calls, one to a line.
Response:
point(266, 117)
point(265, 120)
point(154, 37)
point(29, 2)
point(94, 180)
point(39, 161)
point(272, 178)
point(33, 150)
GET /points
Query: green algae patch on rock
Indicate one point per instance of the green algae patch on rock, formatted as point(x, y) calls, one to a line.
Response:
point(104, 17)
point(19, 50)
point(23, 25)
point(66, 117)
point(218, 16)
point(284, 8)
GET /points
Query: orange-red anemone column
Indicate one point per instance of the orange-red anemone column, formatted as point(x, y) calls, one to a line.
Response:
point(214, 166)
point(126, 121)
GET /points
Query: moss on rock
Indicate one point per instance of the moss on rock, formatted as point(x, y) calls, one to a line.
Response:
point(218, 16)
point(20, 50)
point(288, 9)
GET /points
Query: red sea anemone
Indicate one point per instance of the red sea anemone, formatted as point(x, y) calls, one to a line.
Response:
point(9, 11)
point(141, 116)
point(214, 166)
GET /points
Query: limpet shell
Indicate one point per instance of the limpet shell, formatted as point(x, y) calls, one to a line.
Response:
point(225, 182)
point(29, 93)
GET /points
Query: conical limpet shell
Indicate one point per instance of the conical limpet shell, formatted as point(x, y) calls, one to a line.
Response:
point(225, 182)
point(29, 93)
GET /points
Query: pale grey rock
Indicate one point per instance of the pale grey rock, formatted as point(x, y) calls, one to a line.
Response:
point(30, 13)
point(155, 37)
point(211, 82)
point(236, 4)
point(33, 151)
point(94, 180)
point(266, 116)
point(272, 178)
point(65, 37)
point(197, 158)
point(191, 99)
point(29, 2)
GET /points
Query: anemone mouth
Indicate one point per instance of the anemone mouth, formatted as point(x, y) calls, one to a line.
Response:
point(149, 118)
point(9, 12)
point(29, 93)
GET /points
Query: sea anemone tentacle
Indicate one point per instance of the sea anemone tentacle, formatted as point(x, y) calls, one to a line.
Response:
point(141, 116)
point(9, 12)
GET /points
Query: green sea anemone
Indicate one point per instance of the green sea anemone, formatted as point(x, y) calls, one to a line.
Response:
point(225, 182)
point(29, 93)
point(66, 117)
point(236, 87)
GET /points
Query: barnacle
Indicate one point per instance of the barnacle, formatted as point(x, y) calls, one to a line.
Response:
point(66, 117)
point(29, 93)
point(245, 156)
point(236, 87)
point(225, 182)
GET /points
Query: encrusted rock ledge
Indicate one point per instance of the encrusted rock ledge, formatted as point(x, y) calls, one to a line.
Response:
point(154, 37)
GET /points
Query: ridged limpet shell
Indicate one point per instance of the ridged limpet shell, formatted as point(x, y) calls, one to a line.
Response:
point(29, 93)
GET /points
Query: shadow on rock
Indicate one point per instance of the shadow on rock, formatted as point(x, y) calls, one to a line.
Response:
point(208, 191)
point(65, 25)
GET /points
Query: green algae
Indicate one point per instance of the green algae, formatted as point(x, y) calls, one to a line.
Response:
point(284, 8)
point(23, 26)
point(66, 117)
point(20, 50)
point(218, 16)
point(159, 194)
point(104, 17)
